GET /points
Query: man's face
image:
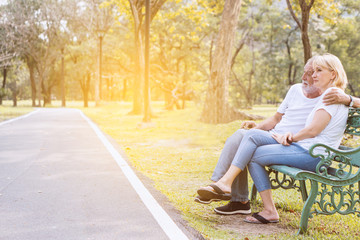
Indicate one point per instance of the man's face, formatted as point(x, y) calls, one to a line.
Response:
point(307, 75)
point(308, 83)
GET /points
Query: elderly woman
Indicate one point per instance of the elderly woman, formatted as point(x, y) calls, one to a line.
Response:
point(258, 149)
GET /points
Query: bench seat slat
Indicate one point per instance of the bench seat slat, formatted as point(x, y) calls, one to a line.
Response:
point(299, 174)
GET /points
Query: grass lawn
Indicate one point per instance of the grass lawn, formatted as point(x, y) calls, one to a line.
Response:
point(7, 111)
point(179, 155)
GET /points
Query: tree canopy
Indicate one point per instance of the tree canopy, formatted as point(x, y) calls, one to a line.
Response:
point(47, 44)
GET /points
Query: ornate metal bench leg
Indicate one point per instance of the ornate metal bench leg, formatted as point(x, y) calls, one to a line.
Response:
point(303, 190)
point(307, 207)
point(359, 193)
point(253, 193)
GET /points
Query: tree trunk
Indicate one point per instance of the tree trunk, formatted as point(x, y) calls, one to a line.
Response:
point(85, 86)
point(63, 101)
point(46, 94)
point(86, 90)
point(100, 67)
point(97, 80)
point(30, 65)
point(305, 15)
point(15, 94)
point(123, 95)
point(147, 97)
point(138, 80)
point(136, 10)
point(217, 108)
point(185, 76)
point(307, 46)
point(251, 75)
point(303, 25)
point(3, 86)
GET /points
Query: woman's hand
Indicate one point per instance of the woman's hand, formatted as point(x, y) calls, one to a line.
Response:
point(284, 139)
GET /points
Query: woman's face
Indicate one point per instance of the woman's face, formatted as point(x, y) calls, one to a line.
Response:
point(323, 77)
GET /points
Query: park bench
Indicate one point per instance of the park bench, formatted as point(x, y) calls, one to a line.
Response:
point(333, 185)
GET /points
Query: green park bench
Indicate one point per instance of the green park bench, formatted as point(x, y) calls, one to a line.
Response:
point(333, 185)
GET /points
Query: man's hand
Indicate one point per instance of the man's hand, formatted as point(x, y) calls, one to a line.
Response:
point(336, 97)
point(248, 124)
point(284, 139)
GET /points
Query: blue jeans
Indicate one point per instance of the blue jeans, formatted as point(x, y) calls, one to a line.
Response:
point(236, 147)
point(277, 154)
point(253, 150)
point(258, 149)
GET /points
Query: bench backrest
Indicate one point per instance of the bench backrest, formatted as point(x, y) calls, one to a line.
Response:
point(353, 128)
point(353, 122)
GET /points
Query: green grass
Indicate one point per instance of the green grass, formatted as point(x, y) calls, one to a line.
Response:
point(179, 155)
point(7, 111)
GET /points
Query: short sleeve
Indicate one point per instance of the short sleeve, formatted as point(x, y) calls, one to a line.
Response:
point(331, 109)
point(285, 103)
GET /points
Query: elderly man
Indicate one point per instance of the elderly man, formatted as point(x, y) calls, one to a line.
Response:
point(290, 116)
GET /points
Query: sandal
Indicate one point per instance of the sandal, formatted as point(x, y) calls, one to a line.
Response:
point(216, 195)
point(202, 200)
point(260, 219)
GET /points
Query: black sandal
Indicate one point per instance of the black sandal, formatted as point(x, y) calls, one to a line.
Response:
point(202, 200)
point(216, 195)
point(261, 219)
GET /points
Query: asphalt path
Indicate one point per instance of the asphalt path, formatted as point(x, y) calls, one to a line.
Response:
point(59, 180)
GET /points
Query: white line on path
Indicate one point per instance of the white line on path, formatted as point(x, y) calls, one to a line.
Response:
point(18, 118)
point(163, 219)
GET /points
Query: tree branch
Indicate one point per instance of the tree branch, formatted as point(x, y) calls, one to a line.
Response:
point(241, 45)
point(293, 13)
point(310, 4)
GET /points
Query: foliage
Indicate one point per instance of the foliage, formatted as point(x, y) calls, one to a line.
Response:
point(267, 56)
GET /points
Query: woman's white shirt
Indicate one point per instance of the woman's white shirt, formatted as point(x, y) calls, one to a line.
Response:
point(333, 132)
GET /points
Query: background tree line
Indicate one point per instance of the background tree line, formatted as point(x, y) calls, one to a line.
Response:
point(53, 49)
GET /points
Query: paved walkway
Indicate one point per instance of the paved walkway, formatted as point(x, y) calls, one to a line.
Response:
point(59, 181)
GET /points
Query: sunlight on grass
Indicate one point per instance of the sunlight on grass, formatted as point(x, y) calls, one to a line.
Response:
point(179, 155)
point(7, 111)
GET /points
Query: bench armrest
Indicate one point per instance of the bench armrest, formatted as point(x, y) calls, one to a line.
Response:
point(343, 167)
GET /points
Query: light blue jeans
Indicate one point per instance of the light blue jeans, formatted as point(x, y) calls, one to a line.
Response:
point(258, 149)
point(254, 149)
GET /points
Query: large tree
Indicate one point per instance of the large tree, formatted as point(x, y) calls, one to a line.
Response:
point(136, 14)
point(217, 108)
point(327, 9)
point(303, 24)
